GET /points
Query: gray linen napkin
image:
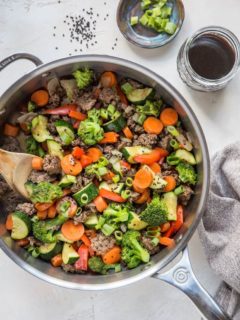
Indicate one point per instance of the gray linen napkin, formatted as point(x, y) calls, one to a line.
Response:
point(219, 229)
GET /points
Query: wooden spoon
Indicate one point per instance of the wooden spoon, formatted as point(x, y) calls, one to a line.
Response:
point(15, 168)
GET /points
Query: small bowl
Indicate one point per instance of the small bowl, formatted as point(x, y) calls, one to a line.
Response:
point(142, 36)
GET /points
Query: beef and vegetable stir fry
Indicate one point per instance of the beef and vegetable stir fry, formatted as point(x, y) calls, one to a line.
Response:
point(113, 171)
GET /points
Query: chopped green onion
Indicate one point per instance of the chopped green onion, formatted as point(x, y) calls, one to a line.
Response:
point(127, 88)
point(125, 194)
point(153, 233)
point(104, 113)
point(116, 178)
point(129, 181)
point(118, 235)
point(100, 223)
point(116, 114)
point(170, 27)
point(79, 211)
point(84, 198)
point(103, 161)
point(107, 229)
point(134, 20)
point(174, 144)
point(31, 106)
point(179, 190)
point(144, 19)
point(111, 109)
point(173, 131)
point(155, 241)
point(173, 160)
point(145, 4)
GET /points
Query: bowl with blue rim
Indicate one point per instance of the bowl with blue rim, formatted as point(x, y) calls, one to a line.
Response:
point(150, 23)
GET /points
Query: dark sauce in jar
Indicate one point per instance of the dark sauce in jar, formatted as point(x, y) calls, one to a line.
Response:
point(211, 57)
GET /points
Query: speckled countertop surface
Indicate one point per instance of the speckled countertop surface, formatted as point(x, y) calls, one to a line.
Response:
point(28, 26)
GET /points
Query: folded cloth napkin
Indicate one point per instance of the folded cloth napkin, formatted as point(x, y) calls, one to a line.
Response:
point(219, 229)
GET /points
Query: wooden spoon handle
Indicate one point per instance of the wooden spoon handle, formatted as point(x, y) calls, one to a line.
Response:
point(8, 164)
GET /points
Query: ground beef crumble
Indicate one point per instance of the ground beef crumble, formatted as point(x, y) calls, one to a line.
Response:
point(52, 165)
point(27, 208)
point(101, 244)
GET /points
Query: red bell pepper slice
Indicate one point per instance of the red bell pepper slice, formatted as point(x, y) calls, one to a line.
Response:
point(154, 156)
point(176, 225)
point(63, 110)
point(82, 262)
point(111, 195)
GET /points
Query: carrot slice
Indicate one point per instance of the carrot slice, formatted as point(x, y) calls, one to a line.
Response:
point(128, 133)
point(94, 153)
point(165, 241)
point(9, 222)
point(42, 215)
point(171, 183)
point(137, 189)
point(165, 227)
point(77, 152)
point(154, 156)
point(43, 206)
point(40, 97)
point(111, 195)
point(85, 240)
point(100, 204)
point(108, 176)
point(153, 125)
point(77, 115)
point(112, 256)
point(52, 211)
point(37, 163)
point(10, 130)
point(109, 137)
point(71, 231)
point(155, 167)
point(70, 165)
point(143, 178)
point(169, 117)
point(143, 197)
point(57, 260)
point(85, 160)
point(108, 79)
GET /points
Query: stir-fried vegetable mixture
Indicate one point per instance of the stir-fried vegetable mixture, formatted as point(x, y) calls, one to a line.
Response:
point(112, 174)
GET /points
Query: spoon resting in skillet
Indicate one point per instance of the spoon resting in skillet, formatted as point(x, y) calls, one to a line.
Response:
point(15, 168)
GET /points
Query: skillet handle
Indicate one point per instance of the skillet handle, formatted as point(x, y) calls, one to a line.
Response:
point(4, 63)
point(182, 277)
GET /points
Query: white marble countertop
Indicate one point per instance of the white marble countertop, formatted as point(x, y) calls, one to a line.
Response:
point(28, 26)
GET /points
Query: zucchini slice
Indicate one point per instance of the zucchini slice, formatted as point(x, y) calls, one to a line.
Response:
point(115, 125)
point(54, 148)
point(69, 254)
point(91, 221)
point(171, 202)
point(130, 152)
point(136, 223)
point(158, 182)
point(114, 187)
point(65, 131)
point(21, 225)
point(86, 195)
point(49, 250)
point(185, 156)
point(67, 181)
point(39, 129)
point(139, 96)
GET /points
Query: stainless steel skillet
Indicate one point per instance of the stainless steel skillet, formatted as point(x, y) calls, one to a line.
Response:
point(181, 275)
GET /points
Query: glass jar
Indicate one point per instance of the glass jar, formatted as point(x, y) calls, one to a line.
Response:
point(194, 80)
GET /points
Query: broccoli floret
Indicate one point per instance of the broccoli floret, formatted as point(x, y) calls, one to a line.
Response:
point(43, 191)
point(84, 77)
point(90, 132)
point(43, 230)
point(96, 264)
point(33, 147)
point(155, 213)
point(132, 251)
point(94, 115)
point(98, 168)
point(113, 216)
point(186, 173)
point(150, 108)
